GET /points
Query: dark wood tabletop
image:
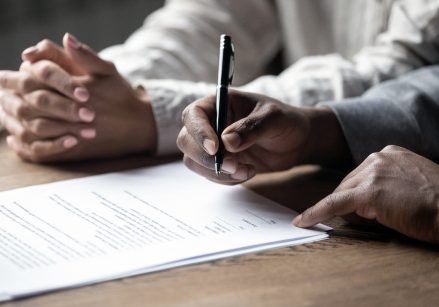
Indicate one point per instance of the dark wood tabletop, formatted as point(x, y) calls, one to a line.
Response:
point(354, 267)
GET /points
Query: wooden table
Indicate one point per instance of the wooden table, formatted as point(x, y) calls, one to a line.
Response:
point(354, 267)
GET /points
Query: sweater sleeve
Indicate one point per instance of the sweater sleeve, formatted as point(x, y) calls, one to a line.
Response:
point(410, 41)
point(401, 112)
point(180, 41)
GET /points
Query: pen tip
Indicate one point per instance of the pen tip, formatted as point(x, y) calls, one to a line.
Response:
point(218, 169)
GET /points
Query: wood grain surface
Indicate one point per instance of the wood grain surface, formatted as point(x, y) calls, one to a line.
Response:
point(354, 267)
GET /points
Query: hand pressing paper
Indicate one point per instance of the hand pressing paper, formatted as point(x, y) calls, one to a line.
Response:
point(82, 231)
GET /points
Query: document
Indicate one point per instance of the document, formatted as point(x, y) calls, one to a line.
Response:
point(87, 230)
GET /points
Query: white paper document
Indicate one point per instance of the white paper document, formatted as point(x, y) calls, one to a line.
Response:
point(98, 228)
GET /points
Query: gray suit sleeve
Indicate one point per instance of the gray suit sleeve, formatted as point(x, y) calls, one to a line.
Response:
point(402, 112)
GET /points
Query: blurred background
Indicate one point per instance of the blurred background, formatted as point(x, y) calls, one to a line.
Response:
point(99, 23)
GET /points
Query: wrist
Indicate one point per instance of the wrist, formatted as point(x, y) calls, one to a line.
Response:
point(146, 138)
point(326, 143)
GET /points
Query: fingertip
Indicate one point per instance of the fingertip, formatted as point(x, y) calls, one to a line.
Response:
point(65, 37)
point(88, 133)
point(210, 146)
point(10, 141)
point(231, 141)
point(81, 94)
point(70, 142)
point(72, 41)
point(297, 221)
point(86, 115)
point(28, 53)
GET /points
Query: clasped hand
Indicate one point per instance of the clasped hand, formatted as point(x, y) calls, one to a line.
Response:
point(67, 103)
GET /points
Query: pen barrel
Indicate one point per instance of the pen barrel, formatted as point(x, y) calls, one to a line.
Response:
point(225, 64)
point(222, 100)
point(225, 76)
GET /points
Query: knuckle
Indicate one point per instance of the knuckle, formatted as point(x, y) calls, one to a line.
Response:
point(111, 65)
point(250, 125)
point(22, 111)
point(23, 136)
point(391, 148)
point(26, 83)
point(68, 87)
point(46, 72)
point(68, 110)
point(182, 140)
point(272, 109)
point(45, 44)
point(3, 79)
point(377, 167)
point(373, 192)
point(185, 112)
point(376, 160)
point(37, 126)
point(374, 156)
point(41, 100)
point(24, 66)
point(372, 180)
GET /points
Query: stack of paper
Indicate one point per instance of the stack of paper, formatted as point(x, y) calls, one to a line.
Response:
point(87, 230)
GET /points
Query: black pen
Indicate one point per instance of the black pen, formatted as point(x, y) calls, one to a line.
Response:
point(225, 76)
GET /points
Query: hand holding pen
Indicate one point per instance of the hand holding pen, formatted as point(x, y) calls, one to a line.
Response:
point(259, 133)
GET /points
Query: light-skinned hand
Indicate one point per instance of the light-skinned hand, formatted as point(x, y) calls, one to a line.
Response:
point(263, 135)
point(396, 187)
point(77, 108)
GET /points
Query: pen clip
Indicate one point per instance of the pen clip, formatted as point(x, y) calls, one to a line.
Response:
point(232, 63)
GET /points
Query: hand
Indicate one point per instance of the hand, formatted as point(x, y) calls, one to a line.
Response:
point(395, 187)
point(119, 123)
point(34, 99)
point(263, 135)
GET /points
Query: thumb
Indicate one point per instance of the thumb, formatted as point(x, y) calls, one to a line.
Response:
point(48, 50)
point(86, 58)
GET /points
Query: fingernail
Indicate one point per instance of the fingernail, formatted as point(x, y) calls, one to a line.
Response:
point(10, 140)
point(86, 115)
point(209, 146)
point(88, 133)
point(70, 142)
point(229, 166)
point(233, 139)
point(29, 51)
point(81, 94)
point(72, 41)
point(297, 220)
